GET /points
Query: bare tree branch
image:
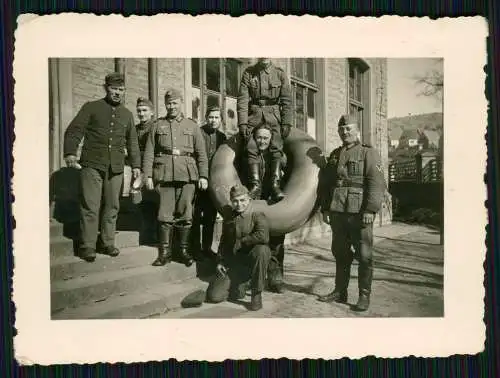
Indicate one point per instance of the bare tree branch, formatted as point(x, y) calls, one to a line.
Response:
point(431, 84)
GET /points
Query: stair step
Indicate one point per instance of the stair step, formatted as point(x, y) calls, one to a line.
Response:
point(152, 302)
point(62, 246)
point(98, 286)
point(68, 267)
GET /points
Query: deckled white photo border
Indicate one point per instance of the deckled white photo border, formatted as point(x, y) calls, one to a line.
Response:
point(462, 44)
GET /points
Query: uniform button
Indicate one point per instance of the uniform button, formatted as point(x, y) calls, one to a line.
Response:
point(112, 115)
point(109, 146)
point(111, 124)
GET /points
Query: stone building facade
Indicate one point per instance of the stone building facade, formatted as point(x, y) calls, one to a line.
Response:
point(323, 89)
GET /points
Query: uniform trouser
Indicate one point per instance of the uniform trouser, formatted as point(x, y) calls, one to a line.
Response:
point(149, 213)
point(243, 266)
point(275, 147)
point(349, 230)
point(204, 216)
point(277, 245)
point(99, 206)
point(176, 203)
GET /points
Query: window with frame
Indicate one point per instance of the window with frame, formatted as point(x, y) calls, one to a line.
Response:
point(215, 82)
point(304, 94)
point(358, 95)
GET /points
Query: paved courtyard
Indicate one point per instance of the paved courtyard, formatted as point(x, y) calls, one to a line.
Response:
point(408, 281)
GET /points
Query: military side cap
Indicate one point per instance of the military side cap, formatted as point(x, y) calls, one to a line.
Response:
point(348, 119)
point(194, 299)
point(115, 78)
point(238, 190)
point(172, 94)
point(142, 101)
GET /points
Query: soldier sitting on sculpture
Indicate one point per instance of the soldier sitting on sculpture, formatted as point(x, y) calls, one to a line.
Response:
point(262, 136)
point(264, 98)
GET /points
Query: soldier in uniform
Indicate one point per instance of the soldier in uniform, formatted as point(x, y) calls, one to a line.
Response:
point(175, 161)
point(107, 128)
point(262, 135)
point(205, 212)
point(353, 188)
point(264, 97)
point(149, 203)
point(243, 252)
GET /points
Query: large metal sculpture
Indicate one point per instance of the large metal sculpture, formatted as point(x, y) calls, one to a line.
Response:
point(301, 181)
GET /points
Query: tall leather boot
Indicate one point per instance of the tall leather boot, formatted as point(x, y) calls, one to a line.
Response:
point(182, 234)
point(255, 185)
point(164, 245)
point(342, 277)
point(365, 275)
point(277, 194)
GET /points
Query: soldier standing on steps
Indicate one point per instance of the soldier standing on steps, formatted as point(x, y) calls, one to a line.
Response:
point(175, 161)
point(205, 212)
point(149, 203)
point(353, 188)
point(107, 127)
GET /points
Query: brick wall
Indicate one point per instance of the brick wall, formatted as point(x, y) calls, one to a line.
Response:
point(136, 74)
point(170, 75)
point(88, 78)
point(336, 99)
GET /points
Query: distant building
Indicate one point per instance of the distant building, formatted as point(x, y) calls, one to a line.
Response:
point(394, 137)
point(409, 138)
point(429, 139)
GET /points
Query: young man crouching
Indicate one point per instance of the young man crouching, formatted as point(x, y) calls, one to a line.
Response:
point(243, 253)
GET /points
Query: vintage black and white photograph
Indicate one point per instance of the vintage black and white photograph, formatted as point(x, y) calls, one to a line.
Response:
point(246, 187)
point(195, 191)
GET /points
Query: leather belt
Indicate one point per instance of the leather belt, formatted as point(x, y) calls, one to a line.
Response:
point(264, 102)
point(349, 184)
point(173, 152)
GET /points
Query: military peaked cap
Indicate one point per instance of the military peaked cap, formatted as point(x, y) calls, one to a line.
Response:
point(115, 78)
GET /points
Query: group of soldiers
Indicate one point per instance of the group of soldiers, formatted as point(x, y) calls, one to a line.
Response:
point(171, 157)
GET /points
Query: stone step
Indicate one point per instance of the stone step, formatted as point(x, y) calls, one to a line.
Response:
point(64, 268)
point(56, 229)
point(152, 302)
point(62, 246)
point(98, 286)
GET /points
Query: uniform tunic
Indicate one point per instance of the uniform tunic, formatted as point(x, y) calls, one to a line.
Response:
point(244, 251)
point(150, 200)
point(205, 212)
point(107, 129)
point(265, 97)
point(175, 158)
point(352, 184)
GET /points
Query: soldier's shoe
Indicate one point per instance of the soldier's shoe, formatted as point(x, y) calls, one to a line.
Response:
point(255, 186)
point(256, 302)
point(237, 293)
point(335, 296)
point(183, 237)
point(164, 255)
point(275, 279)
point(277, 194)
point(87, 254)
point(109, 250)
point(363, 302)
